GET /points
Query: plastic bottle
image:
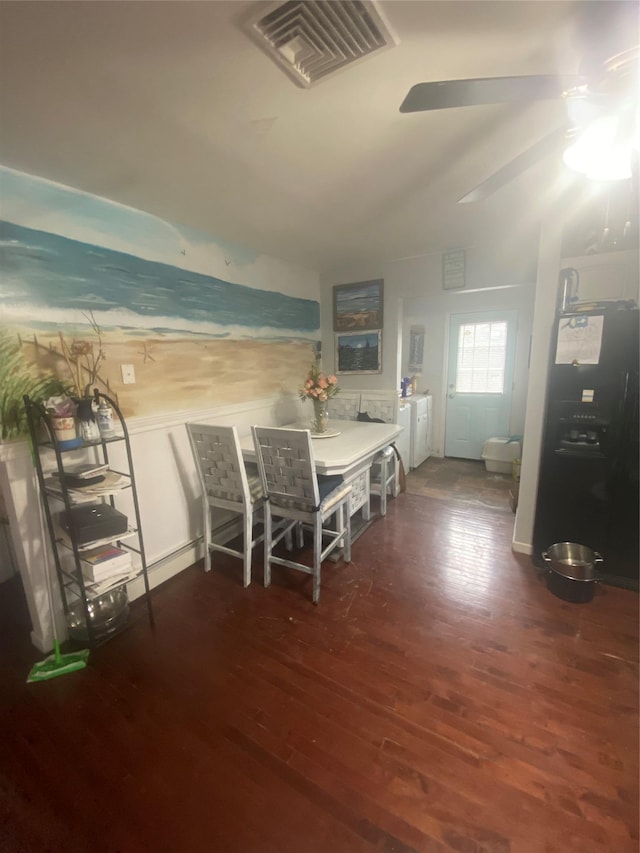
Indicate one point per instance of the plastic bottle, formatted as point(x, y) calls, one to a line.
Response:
point(86, 420)
point(105, 419)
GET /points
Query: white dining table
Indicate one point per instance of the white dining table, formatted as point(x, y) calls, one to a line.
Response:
point(347, 449)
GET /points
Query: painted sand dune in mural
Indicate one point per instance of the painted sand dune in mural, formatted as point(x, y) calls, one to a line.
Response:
point(174, 373)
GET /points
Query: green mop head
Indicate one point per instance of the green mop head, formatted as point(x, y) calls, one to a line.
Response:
point(58, 664)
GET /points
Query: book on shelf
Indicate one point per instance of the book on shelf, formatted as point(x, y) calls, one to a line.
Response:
point(109, 483)
point(86, 470)
point(104, 561)
point(101, 587)
point(54, 487)
point(71, 481)
point(94, 589)
point(63, 536)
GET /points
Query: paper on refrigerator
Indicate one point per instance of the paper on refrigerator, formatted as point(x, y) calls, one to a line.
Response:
point(579, 340)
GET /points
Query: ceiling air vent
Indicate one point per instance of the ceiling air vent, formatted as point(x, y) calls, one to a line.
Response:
point(312, 39)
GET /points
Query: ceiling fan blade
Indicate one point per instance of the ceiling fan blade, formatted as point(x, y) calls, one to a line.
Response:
point(547, 145)
point(485, 90)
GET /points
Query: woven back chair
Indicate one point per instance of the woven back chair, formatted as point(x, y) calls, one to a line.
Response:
point(384, 476)
point(227, 483)
point(344, 406)
point(296, 494)
point(385, 468)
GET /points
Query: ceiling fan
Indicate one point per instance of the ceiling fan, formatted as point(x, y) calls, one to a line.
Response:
point(602, 91)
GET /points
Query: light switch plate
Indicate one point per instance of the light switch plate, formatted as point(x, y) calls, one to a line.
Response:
point(128, 374)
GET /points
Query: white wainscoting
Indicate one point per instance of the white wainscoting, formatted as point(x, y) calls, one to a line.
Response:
point(168, 495)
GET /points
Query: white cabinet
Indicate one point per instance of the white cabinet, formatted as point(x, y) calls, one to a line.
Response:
point(611, 275)
point(421, 429)
point(403, 441)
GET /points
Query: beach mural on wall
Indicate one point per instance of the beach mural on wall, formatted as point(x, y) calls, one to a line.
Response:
point(204, 323)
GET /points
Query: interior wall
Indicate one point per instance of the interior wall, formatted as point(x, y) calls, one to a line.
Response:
point(495, 279)
point(545, 307)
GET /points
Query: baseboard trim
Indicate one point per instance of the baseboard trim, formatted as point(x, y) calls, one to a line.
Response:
point(166, 568)
point(522, 547)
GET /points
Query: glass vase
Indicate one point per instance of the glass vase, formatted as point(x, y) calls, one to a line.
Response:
point(320, 417)
point(87, 420)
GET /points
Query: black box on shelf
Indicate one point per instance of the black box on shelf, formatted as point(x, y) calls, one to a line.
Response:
point(96, 521)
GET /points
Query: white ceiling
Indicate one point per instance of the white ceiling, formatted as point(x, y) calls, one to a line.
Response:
point(171, 108)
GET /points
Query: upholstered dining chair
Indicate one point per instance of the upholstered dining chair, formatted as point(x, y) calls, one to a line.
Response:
point(227, 483)
point(296, 494)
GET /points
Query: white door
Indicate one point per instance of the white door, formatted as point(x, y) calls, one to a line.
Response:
point(480, 380)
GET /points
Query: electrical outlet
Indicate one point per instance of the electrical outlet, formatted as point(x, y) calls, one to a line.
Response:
point(128, 374)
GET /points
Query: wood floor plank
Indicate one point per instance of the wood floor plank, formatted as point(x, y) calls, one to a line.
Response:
point(439, 698)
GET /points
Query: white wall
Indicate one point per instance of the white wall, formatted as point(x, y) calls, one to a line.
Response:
point(413, 295)
point(545, 307)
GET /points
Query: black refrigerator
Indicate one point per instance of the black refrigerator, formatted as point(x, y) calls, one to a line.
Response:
point(588, 489)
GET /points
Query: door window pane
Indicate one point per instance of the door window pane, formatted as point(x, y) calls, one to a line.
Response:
point(482, 350)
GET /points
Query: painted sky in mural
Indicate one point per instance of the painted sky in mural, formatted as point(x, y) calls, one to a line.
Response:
point(46, 206)
point(65, 254)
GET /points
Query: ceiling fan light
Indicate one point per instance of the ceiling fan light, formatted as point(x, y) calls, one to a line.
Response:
point(597, 154)
point(611, 165)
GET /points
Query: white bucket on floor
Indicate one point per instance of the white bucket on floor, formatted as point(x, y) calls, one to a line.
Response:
point(499, 453)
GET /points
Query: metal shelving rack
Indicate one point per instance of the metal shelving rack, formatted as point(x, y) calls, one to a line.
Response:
point(72, 582)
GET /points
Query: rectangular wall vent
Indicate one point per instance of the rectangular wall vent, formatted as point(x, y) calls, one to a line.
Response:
point(312, 39)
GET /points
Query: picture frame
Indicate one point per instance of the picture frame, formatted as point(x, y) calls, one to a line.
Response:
point(416, 348)
point(359, 352)
point(453, 269)
point(358, 307)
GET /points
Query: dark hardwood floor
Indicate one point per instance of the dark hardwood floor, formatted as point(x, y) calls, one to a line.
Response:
point(439, 698)
point(462, 481)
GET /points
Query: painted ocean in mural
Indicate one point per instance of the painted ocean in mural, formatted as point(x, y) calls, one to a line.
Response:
point(46, 277)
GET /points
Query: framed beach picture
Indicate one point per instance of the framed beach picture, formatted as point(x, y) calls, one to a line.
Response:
point(357, 307)
point(359, 352)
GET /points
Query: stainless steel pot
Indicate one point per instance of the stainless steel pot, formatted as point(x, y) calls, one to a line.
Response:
point(107, 614)
point(571, 570)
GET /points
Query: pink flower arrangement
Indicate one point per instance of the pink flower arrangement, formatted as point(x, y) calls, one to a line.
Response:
point(319, 386)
